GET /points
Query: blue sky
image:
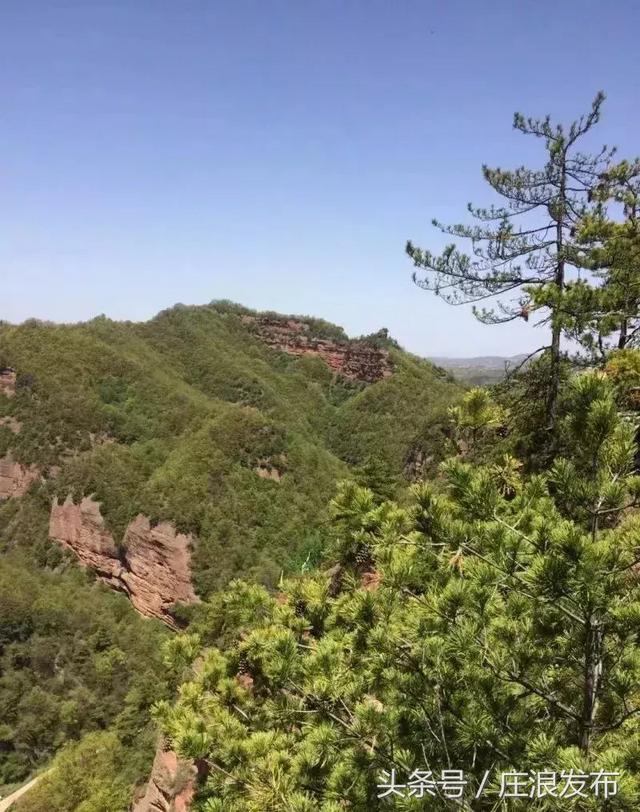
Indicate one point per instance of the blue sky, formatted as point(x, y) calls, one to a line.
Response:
point(279, 153)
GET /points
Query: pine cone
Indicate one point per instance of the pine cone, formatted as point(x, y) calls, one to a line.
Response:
point(364, 558)
point(244, 666)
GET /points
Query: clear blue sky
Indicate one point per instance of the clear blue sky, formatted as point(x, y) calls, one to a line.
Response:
point(279, 152)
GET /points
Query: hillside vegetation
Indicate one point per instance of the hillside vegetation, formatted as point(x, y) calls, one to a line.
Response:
point(74, 658)
point(475, 643)
point(495, 609)
point(190, 417)
point(389, 646)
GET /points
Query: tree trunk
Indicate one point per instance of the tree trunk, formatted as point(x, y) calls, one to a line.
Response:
point(622, 338)
point(592, 678)
point(554, 380)
point(556, 334)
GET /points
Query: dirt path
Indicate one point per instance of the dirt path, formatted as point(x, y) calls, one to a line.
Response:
point(5, 803)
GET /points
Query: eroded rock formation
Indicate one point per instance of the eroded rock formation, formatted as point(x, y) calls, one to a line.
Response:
point(356, 360)
point(171, 785)
point(15, 479)
point(152, 566)
point(159, 567)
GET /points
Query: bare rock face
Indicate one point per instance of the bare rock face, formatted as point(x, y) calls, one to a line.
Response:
point(417, 464)
point(268, 473)
point(152, 567)
point(171, 785)
point(355, 360)
point(80, 529)
point(270, 468)
point(15, 479)
point(158, 568)
point(7, 382)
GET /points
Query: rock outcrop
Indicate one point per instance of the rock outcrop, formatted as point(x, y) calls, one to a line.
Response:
point(15, 479)
point(158, 561)
point(355, 360)
point(7, 382)
point(271, 468)
point(171, 785)
point(151, 566)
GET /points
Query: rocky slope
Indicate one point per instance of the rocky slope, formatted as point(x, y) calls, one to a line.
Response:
point(355, 360)
point(15, 478)
point(152, 566)
point(171, 785)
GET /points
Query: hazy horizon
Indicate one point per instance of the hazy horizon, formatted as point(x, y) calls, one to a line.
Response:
point(433, 357)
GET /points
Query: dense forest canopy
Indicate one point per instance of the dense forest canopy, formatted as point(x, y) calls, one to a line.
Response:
point(190, 418)
point(172, 418)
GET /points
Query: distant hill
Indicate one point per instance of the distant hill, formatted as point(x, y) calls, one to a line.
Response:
point(232, 425)
point(481, 370)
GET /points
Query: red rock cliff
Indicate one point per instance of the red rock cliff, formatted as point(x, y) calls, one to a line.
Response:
point(171, 785)
point(15, 478)
point(355, 360)
point(152, 567)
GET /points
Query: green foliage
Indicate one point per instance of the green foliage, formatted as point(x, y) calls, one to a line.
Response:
point(623, 369)
point(499, 633)
point(96, 774)
point(73, 658)
point(384, 421)
point(476, 421)
point(528, 432)
point(609, 313)
point(378, 477)
point(525, 250)
point(190, 418)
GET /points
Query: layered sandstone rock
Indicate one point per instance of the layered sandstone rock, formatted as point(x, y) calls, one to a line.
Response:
point(171, 785)
point(15, 479)
point(158, 561)
point(355, 360)
point(152, 566)
point(7, 382)
point(80, 529)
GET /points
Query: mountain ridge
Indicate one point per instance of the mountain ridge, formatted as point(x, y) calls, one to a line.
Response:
point(230, 424)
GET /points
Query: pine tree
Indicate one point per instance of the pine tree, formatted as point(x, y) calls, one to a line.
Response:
point(476, 420)
point(524, 249)
point(609, 314)
point(501, 634)
point(378, 476)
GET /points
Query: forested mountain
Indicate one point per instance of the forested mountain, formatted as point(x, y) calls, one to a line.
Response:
point(193, 418)
point(170, 457)
point(365, 586)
